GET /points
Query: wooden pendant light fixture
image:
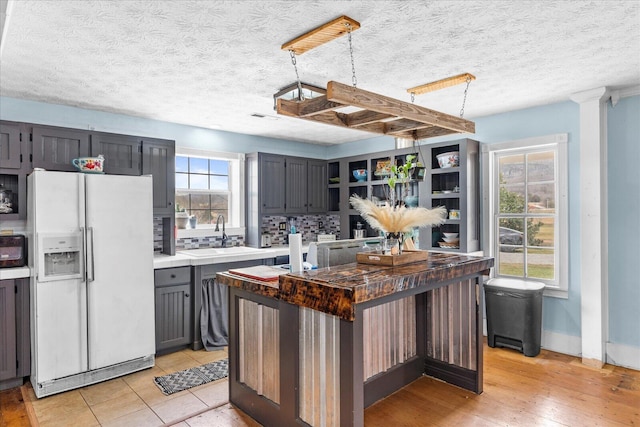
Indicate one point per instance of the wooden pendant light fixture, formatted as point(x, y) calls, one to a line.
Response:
point(441, 84)
point(375, 113)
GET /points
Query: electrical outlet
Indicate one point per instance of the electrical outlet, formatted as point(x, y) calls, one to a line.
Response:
point(282, 226)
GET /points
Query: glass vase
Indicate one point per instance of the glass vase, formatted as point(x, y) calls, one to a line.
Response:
point(393, 244)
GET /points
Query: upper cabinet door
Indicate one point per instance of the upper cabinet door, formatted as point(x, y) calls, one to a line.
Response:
point(122, 153)
point(55, 148)
point(296, 185)
point(317, 184)
point(271, 174)
point(10, 146)
point(159, 160)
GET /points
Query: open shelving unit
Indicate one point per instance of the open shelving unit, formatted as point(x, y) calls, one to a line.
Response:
point(457, 189)
point(374, 187)
point(433, 185)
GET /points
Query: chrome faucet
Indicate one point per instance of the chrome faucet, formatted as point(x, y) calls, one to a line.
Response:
point(224, 234)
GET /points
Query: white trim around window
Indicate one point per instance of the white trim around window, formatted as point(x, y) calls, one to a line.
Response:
point(490, 152)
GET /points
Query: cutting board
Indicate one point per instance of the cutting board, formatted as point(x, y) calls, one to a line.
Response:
point(265, 273)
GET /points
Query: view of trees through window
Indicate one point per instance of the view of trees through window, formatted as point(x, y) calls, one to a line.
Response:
point(527, 217)
point(202, 187)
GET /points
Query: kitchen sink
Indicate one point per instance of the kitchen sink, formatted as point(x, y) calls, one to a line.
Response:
point(207, 252)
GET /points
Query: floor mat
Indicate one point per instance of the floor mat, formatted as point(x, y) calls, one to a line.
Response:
point(183, 380)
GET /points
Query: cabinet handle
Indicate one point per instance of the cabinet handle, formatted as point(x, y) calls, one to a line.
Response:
point(186, 295)
point(173, 276)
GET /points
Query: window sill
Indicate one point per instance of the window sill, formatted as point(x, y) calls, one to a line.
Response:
point(208, 230)
point(555, 293)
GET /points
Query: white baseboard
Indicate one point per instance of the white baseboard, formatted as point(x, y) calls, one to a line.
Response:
point(561, 343)
point(617, 354)
point(623, 355)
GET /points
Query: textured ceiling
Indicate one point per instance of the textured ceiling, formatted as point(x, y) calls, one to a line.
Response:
point(215, 63)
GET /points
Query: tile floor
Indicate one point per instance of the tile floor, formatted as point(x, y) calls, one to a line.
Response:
point(135, 400)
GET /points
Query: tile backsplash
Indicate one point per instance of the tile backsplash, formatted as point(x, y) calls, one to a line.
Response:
point(157, 234)
point(307, 225)
point(208, 242)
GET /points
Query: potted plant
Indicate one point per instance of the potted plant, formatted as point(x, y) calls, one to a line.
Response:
point(403, 174)
point(182, 217)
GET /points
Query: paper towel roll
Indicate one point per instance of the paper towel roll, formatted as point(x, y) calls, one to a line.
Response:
point(295, 252)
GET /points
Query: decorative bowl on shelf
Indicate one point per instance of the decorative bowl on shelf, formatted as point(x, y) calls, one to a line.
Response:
point(448, 245)
point(454, 214)
point(335, 180)
point(360, 174)
point(411, 201)
point(449, 160)
point(452, 240)
point(450, 235)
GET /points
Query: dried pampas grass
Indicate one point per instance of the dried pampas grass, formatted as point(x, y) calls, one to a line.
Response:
point(397, 220)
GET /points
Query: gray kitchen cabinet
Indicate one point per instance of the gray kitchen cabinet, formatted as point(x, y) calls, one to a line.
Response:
point(122, 153)
point(54, 148)
point(8, 325)
point(10, 146)
point(15, 356)
point(295, 185)
point(271, 179)
point(282, 185)
point(317, 186)
point(174, 311)
point(14, 167)
point(158, 159)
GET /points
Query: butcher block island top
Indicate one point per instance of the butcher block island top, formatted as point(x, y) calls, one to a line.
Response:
point(336, 290)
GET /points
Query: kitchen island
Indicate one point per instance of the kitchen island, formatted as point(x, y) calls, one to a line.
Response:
point(317, 347)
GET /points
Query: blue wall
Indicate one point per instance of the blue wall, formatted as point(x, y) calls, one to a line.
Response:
point(623, 162)
point(20, 110)
point(560, 315)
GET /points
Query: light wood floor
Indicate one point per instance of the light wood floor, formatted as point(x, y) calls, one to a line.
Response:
point(548, 390)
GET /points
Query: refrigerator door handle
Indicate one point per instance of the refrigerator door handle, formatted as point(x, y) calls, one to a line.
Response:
point(83, 260)
point(90, 275)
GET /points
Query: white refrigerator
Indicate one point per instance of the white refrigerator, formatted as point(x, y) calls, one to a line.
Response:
point(92, 291)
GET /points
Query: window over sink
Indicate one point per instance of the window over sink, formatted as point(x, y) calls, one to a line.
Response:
point(209, 184)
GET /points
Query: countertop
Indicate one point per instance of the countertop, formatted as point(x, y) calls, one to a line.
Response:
point(187, 258)
point(14, 273)
point(195, 257)
point(336, 290)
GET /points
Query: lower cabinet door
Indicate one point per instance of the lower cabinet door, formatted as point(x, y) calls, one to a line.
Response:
point(173, 316)
point(7, 330)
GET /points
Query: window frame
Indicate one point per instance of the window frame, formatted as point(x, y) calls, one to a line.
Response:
point(558, 287)
point(235, 193)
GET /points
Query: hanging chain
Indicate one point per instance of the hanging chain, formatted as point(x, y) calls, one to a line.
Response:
point(464, 100)
point(295, 67)
point(354, 80)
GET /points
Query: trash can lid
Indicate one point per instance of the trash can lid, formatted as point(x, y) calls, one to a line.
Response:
point(526, 285)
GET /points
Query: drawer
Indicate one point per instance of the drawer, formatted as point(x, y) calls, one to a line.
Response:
point(172, 276)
